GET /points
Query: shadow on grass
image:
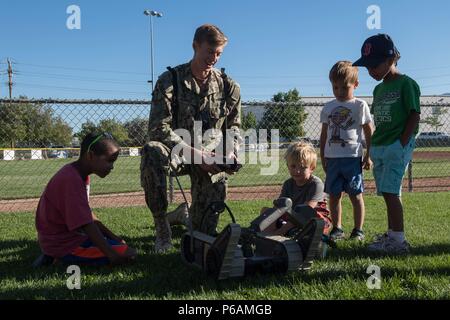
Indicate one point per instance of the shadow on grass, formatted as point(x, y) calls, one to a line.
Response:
point(165, 276)
point(361, 251)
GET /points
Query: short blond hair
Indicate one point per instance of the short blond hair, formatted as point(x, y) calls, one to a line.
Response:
point(344, 71)
point(211, 34)
point(302, 152)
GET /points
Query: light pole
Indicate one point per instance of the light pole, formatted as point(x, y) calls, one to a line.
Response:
point(151, 13)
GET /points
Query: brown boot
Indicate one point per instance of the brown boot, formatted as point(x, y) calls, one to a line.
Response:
point(179, 216)
point(163, 241)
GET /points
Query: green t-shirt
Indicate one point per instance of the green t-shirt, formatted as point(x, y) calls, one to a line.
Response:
point(393, 102)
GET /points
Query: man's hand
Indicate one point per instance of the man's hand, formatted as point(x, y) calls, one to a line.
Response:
point(232, 163)
point(208, 164)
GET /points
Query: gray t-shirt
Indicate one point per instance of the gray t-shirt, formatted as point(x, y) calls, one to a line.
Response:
point(311, 191)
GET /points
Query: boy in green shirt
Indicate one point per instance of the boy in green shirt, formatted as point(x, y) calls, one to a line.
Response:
point(396, 110)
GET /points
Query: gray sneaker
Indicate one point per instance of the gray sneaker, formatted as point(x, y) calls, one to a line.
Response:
point(163, 241)
point(179, 216)
point(380, 237)
point(389, 246)
point(337, 234)
point(357, 234)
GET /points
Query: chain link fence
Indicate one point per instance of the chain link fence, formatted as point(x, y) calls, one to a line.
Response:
point(38, 137)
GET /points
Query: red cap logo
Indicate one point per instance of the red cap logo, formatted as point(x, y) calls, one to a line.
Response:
point(367, 49)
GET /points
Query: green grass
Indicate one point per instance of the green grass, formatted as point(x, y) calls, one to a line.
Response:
point(427, 149)
point(27, 179)
point(424, 274)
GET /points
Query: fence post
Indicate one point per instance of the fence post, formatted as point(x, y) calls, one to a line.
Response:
point(170, 189)
point(410, 176)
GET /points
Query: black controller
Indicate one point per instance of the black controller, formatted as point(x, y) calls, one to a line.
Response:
point(235, 166)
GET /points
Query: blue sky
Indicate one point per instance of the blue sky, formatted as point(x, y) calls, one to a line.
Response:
point(274, 45)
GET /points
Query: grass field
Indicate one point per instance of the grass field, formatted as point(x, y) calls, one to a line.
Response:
point(424, 274)
point(27, 179)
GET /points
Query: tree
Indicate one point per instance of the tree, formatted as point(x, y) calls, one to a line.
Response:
point(30, 125)
point(433, 120)
point(249, 121)
point(61, 132)
point(288, 118)
point(87, 127)
point(137, 131)
point(12, 128)
point(112, 126)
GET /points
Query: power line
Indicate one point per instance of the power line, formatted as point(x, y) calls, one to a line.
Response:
point(300, 76)
point(76, 89)
point(62, 76)
point(81, 69)
point(436, 85)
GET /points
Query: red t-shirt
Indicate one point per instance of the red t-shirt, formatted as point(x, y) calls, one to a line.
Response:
point(62, 209)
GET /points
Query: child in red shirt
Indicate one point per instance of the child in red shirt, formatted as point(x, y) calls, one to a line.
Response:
point(68, 231)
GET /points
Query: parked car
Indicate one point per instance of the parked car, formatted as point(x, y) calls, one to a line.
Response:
point(433, 139)
point(58, 153)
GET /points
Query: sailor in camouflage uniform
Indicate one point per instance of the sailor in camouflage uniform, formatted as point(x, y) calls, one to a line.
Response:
point(190, 92)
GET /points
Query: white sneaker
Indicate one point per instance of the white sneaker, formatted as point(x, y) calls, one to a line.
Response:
point(388, 245)
point(162, 245)
point(380, 237)
point(179, 216)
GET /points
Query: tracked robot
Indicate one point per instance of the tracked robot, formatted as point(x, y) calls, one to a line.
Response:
point(238, 251)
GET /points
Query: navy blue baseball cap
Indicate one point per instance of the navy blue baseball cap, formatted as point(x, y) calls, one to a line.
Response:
point(376, 50)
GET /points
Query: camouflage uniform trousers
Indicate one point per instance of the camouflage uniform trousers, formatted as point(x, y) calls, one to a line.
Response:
point(155, 167)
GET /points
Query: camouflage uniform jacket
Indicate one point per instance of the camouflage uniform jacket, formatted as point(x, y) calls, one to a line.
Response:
point(213, 106)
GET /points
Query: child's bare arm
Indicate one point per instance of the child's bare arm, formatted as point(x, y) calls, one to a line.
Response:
point(104, 230)
point(97, 238)
point(323, 141)
point(368, 132)
point(411, 124)
point(312, 203)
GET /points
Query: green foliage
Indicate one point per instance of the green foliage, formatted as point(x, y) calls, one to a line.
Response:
point(12, 128)
point(112, 126)
point(423, 274)
point(27, 179)
point(137, 131)
point(249, 121)
point(291, 96)
point(289, 119)
point(29, 125)
point(433, 120)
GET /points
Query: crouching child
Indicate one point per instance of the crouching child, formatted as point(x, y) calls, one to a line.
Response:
point(68, 231)
point(302, 192)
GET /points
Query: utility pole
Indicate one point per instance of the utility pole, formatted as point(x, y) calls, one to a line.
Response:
point(10, 83)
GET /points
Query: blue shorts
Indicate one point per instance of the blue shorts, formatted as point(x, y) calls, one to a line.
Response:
point(389, 165)
point(344, 174)
point(88, 254)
